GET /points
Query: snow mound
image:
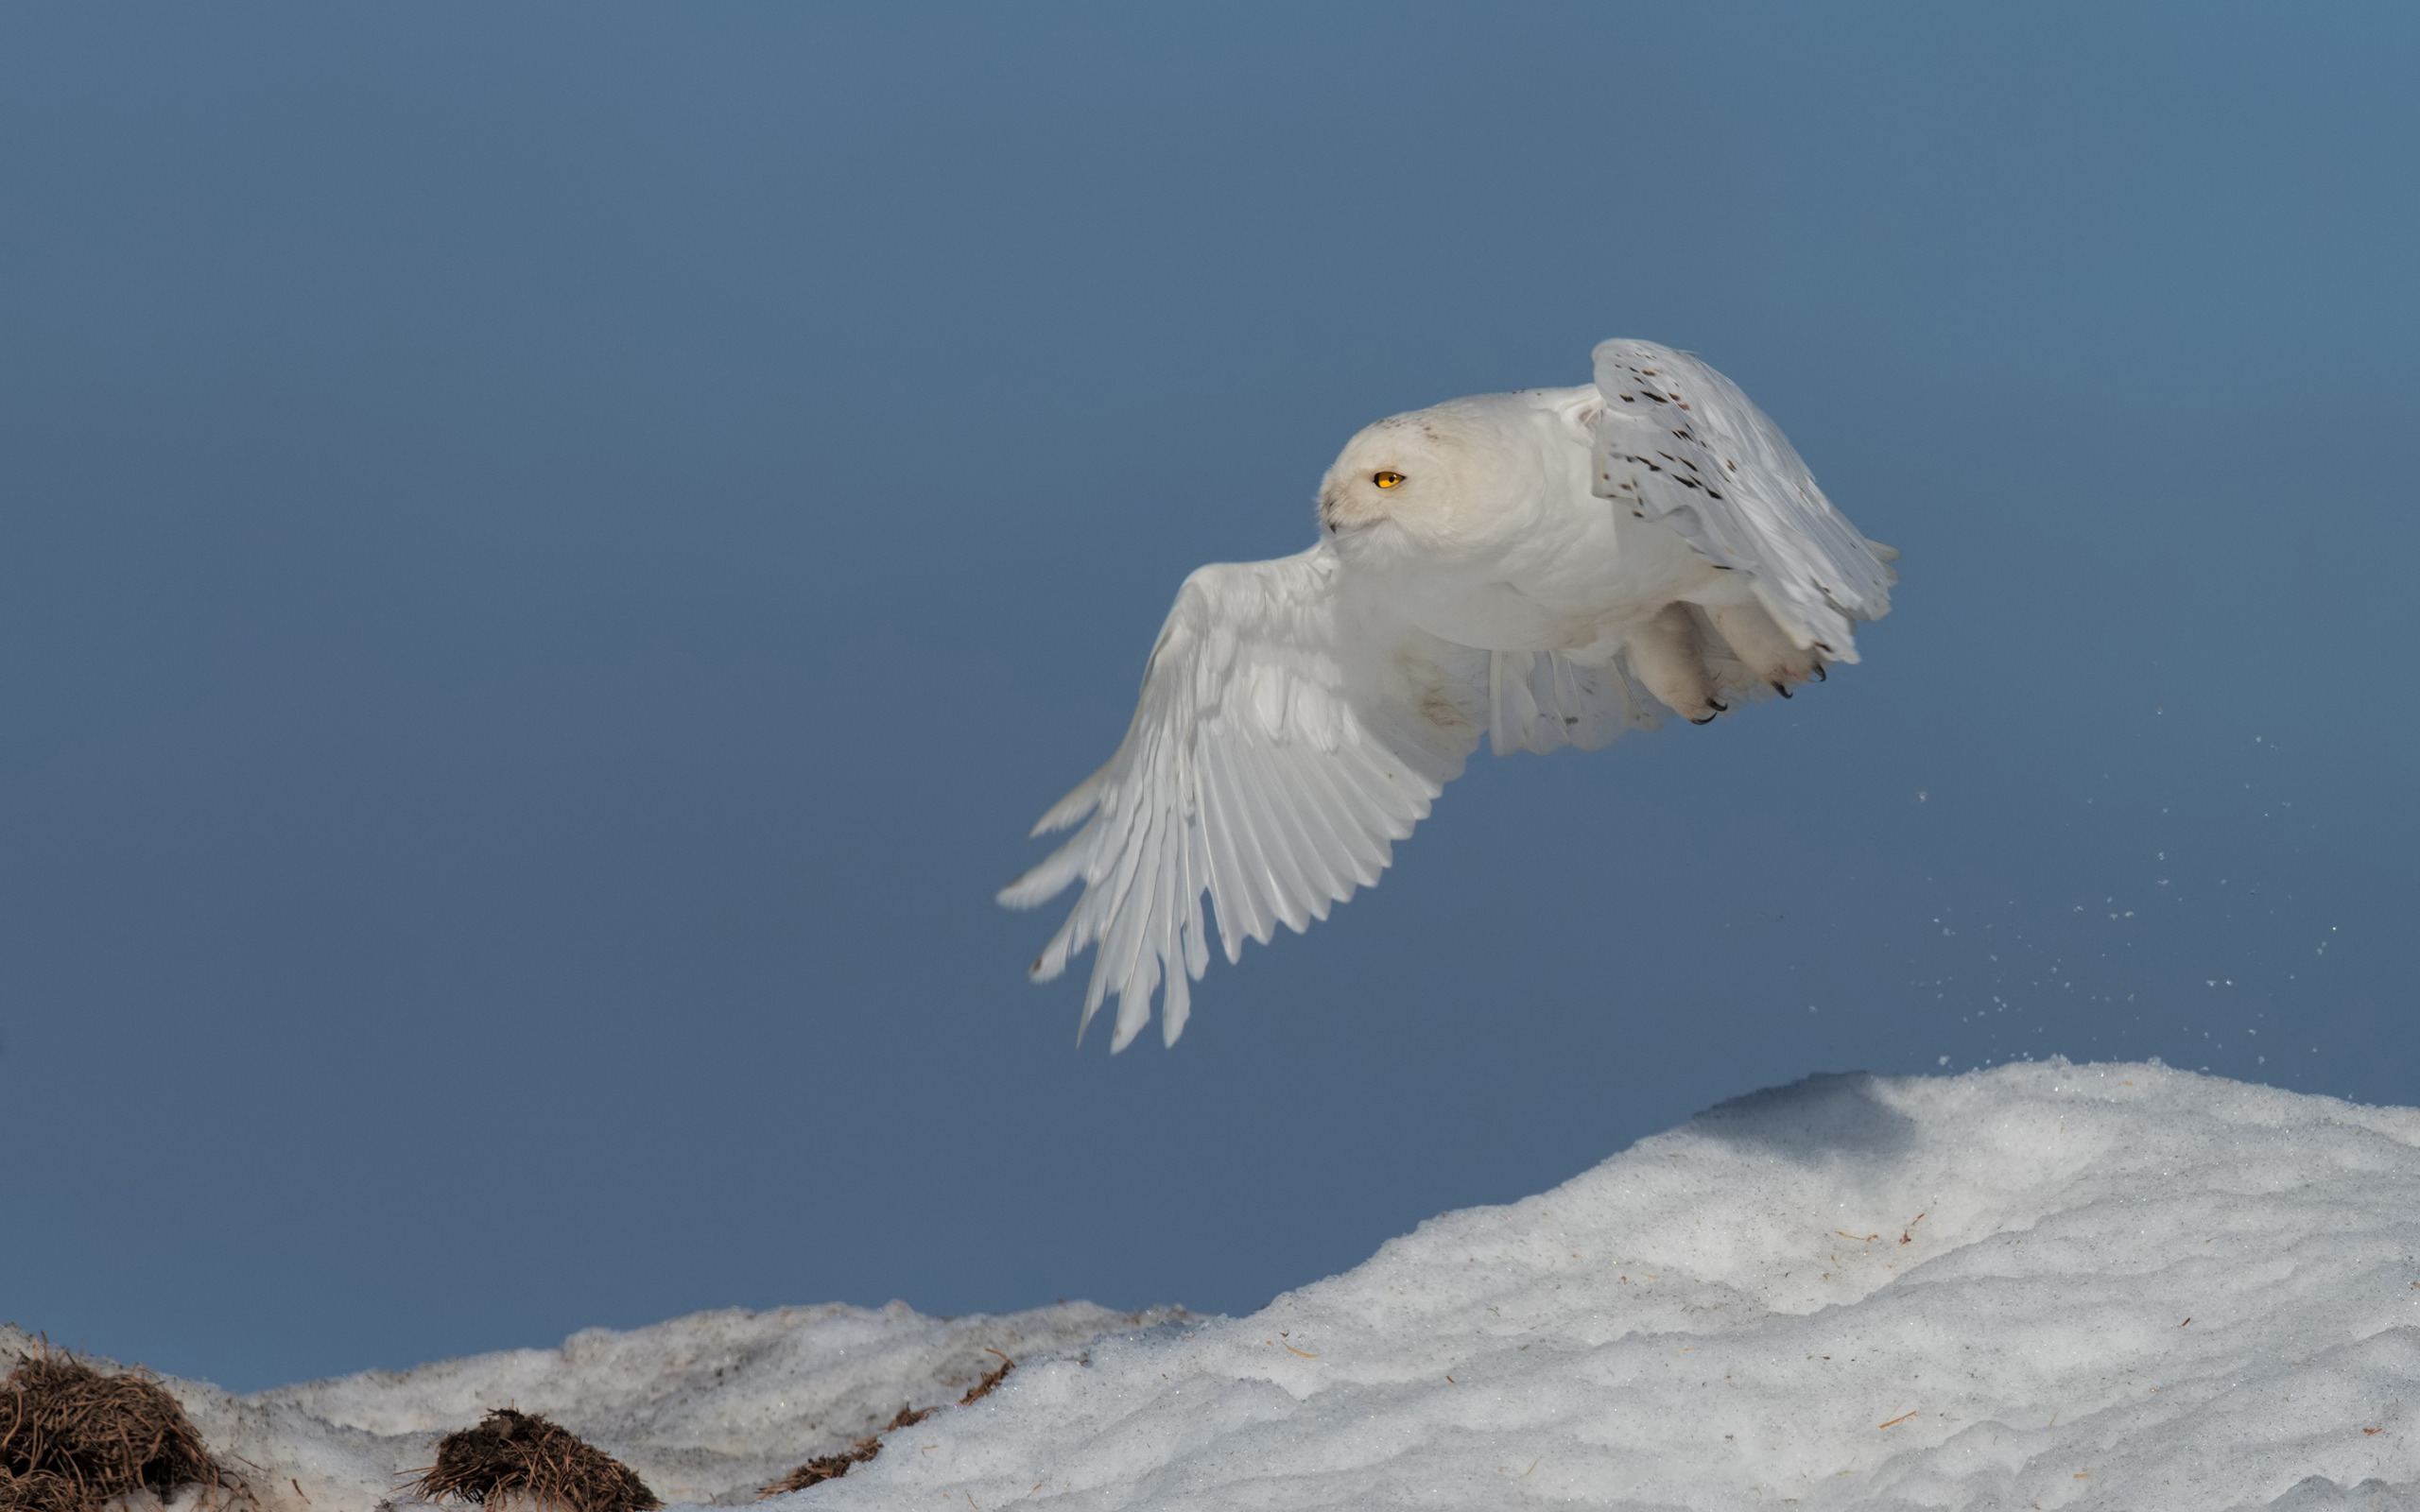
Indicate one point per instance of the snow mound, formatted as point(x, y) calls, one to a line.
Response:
point(2044, 1285)
point(706, 1408)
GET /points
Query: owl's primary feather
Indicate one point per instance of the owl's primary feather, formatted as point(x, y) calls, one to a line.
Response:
point(1547, 567)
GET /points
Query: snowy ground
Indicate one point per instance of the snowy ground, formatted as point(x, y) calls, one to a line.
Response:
point(709, 1407)
point(2039, 1286)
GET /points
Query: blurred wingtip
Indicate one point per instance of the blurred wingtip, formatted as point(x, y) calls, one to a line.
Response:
point(1068, 810)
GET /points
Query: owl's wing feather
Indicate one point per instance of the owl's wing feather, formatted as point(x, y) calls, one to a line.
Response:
point(1286, 738)
point(1677, 442)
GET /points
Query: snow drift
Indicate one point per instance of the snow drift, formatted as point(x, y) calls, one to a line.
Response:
point(2043, 1285)
point(707, 1407)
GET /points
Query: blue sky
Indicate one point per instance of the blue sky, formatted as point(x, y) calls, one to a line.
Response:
point(550, 556)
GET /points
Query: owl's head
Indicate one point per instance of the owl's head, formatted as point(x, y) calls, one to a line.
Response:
point(1407, 470)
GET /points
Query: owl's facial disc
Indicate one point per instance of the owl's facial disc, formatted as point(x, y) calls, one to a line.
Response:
point(1380, 473)
point(1355, 497)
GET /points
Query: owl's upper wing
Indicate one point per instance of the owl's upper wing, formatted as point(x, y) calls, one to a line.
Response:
point(1285, 740)
point(1679, 442)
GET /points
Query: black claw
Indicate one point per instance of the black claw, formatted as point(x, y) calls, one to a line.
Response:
point(1707, 720)
point(1819, 675)
point(1782, 688)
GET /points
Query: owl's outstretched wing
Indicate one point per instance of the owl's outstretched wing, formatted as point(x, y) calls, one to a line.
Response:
point(1286, 738)
point(1677, 442)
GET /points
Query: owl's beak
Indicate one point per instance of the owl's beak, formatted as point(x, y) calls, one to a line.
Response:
point(1335, 516)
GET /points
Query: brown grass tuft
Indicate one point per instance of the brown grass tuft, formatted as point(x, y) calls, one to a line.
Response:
point(989, 1382)
point(72, 1438)
point(516, 1457)
point(824, 1467)
point(832, 1467)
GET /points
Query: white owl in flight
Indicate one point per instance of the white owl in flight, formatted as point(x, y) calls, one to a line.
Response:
point(1545, 567)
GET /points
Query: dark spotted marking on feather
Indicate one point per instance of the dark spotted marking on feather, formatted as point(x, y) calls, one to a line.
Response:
point(1440, 710)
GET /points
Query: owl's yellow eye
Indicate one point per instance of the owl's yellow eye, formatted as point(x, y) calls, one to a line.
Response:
point(1386, 480)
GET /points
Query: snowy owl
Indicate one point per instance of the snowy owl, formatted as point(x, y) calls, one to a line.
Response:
point(1545, 567)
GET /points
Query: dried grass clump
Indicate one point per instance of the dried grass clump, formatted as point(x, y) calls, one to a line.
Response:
point(73, 1439)
point(832, 1467)
point(990, 1381)
point(516, 1457)
point(824, 1467)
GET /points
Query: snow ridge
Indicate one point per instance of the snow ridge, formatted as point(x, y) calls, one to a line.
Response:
point(2041, 1285)
point(2045, 1285)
